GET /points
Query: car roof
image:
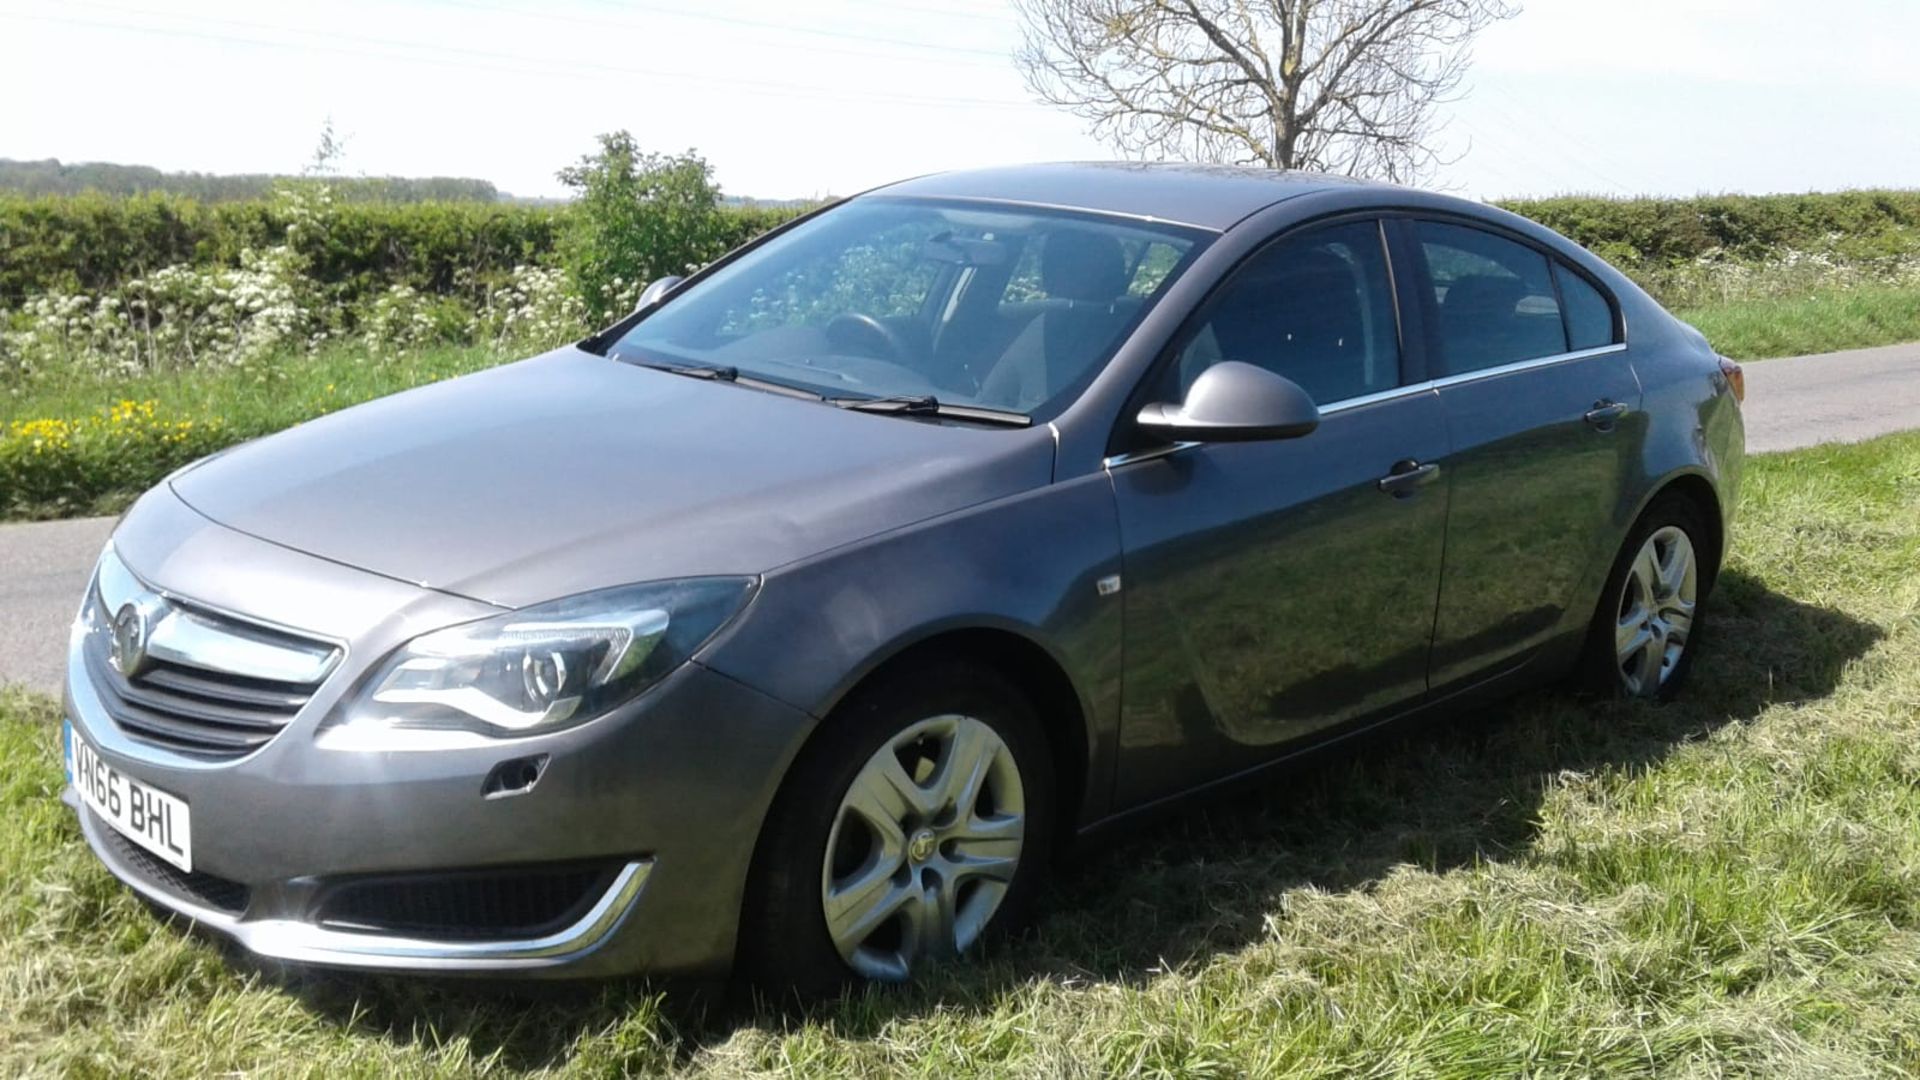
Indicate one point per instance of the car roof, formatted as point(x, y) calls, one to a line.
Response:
point(1213, 197)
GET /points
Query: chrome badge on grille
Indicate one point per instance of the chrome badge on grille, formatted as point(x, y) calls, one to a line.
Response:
point(127, 639)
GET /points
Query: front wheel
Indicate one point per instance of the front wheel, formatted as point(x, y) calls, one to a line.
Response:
point(1641, 642)
point(914, 824)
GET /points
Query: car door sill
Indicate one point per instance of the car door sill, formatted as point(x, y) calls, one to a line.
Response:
point(1429, 706)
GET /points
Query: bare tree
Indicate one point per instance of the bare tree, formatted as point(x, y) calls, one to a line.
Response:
point(1344, 86)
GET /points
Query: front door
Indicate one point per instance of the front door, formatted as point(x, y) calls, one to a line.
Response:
point(1274, 590)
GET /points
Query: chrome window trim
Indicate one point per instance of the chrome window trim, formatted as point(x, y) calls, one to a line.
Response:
point(1431, 385)
point(988, 202)
point(1526, 365)
point(1114, 461)
point(1375, 398)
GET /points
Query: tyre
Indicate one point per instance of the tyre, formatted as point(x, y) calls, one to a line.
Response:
point(1642, 639)
point(917, 821)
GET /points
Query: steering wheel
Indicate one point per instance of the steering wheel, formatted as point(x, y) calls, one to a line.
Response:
point(856, 330)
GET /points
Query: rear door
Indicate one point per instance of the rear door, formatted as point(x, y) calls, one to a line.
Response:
point(1542, 411)
point(1274, 590)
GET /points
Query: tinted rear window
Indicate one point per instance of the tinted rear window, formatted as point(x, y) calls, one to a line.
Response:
point(1495, 297)
point(1589, 315)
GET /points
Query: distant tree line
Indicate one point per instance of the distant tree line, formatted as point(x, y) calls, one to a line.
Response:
point(54, 177)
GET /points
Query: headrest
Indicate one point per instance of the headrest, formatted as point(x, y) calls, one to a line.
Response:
point(1304, 301)
point(1076, 264)
point(1483, 294)
point(1328, 273)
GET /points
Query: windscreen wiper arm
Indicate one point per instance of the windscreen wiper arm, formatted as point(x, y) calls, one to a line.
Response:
point(721, 373)
point(928, 405)
point(728, 373)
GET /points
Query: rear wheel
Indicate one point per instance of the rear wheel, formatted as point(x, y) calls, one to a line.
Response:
point(1641, 642)
point(913, 825)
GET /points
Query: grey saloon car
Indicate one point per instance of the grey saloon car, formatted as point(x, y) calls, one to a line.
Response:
point(794, 623)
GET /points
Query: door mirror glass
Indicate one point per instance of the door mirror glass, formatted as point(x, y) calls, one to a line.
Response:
point(655, 292)
point(1235, 402)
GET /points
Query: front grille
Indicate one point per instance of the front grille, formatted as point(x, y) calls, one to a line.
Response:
point(194, 710)
point(477, 905)
point(215, 892)
point(192, 693)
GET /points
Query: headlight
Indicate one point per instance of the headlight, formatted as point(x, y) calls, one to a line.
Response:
point(536, 670)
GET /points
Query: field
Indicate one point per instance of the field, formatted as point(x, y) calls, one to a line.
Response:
point(1726, 885)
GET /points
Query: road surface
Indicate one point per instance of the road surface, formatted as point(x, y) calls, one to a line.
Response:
point(43, 570)
point(1837, 397)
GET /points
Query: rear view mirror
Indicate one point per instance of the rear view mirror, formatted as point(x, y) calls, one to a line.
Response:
point(655, 292)
point(1235, 402)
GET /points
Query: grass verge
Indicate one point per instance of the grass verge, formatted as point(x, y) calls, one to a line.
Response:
point(1827, 320)
point(1726, 885)
point(88, 461)
point(65, 452)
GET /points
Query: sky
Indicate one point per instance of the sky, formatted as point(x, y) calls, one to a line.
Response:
point(806, 98)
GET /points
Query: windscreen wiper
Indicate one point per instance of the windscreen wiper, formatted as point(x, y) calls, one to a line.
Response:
point(928, 405)
point(721, 373)
point(730, 374)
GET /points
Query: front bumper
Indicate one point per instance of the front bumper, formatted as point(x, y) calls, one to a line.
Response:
point(667, 794)
point(297, 941)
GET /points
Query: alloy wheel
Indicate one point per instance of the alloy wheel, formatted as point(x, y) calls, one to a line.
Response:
point(1656, 611)
point(923, 847)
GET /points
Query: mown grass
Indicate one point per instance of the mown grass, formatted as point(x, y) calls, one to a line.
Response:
point(1726, 885)
point(1826, 320)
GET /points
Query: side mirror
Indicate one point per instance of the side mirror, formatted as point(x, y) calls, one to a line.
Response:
point(1235, 402)
point(657, 291)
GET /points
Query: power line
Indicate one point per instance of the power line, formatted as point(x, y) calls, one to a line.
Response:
point(1581, 156)
point(494, 9)
point(1535, 166)
point(522, 64)
point(956, 57)
point(794, 28)
point(890, 5)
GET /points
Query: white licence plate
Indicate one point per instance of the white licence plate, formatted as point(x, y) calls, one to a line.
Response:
point(136, 810)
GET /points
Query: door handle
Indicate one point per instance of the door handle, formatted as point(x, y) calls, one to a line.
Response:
point(1605, 414)
point(1406, 476)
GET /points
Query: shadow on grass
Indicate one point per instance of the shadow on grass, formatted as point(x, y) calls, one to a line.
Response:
point(1438, 796)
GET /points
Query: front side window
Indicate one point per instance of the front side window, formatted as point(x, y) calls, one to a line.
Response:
point(1001, 307)
point(1495, 297)
point(1316, 307)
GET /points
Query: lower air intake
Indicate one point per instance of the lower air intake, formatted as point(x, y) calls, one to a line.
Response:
point(479, 905)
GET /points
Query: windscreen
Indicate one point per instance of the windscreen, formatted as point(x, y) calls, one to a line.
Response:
point(997, 307)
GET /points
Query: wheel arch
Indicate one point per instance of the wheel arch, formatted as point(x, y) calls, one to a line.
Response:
point(1699, 489)
point(1060, 704)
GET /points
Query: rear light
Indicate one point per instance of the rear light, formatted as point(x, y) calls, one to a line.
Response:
point(1736, 377)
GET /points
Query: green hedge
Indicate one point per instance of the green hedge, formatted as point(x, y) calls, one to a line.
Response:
point(1668, 231)
point(89, 243)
